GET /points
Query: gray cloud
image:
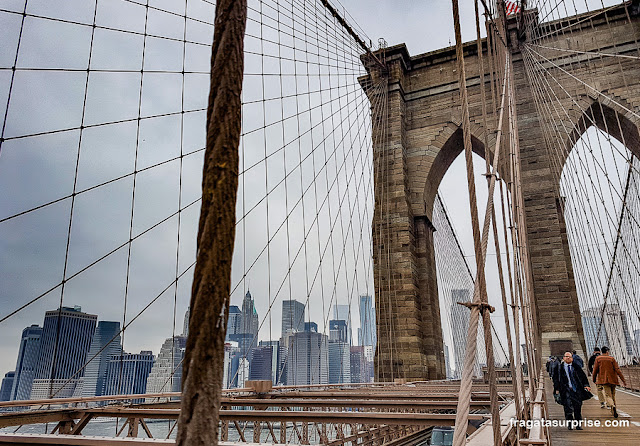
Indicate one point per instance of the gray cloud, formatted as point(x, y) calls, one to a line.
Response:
point(36, 170)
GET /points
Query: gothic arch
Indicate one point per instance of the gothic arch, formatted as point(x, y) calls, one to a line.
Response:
point(613, 118)
point(448, 151)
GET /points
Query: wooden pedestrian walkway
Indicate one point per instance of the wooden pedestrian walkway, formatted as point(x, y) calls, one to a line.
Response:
point(626, 433)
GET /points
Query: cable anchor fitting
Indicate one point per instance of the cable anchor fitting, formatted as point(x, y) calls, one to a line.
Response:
point(482, 306)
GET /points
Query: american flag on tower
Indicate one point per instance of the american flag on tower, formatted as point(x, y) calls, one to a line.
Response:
point(511, 7)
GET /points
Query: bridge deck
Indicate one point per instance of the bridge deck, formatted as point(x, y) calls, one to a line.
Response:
point(628, 404)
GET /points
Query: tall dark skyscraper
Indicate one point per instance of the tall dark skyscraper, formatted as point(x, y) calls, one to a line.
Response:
point(249, 317)
point(66, 337)
point(127, 374)
point(275, 359)
point(358, 364)
point(261, 365)
point(343, 313)
point(339, 362)
point(367, 333)
point(7, 385)
point(27, 362)
point(234, 325)
point(338, 330)
point(311, 326)
point(292, 316)
point(95, 373)
point(242, 326)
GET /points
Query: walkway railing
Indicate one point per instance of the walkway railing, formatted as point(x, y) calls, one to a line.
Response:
point(538, 434)
point(632, 376)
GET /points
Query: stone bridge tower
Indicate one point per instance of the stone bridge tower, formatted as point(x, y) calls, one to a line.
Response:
point(417, 135)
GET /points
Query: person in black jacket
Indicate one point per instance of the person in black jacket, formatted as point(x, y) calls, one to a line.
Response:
point(577, 360)
point(570, 383)
point(592, 359)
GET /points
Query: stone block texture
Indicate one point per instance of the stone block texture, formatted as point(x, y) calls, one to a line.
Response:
point(416, 137)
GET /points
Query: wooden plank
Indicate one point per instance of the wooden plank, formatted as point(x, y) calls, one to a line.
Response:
point(628, 404)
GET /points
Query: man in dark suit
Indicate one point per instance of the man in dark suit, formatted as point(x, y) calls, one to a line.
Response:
point(569, 382)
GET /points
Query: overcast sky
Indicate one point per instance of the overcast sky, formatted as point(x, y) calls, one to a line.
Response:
point(38, 169)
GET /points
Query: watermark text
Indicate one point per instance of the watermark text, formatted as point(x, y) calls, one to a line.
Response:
point(543, 422)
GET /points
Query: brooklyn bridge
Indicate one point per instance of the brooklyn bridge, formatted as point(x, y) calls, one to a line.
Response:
point(316, 237)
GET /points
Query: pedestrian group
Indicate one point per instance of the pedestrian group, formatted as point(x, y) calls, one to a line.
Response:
point(571, 386)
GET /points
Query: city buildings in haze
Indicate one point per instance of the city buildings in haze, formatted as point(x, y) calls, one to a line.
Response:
point(66, 336)
point(27, 362)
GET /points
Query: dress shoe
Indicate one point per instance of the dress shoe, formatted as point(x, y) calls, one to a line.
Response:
point(579, 428)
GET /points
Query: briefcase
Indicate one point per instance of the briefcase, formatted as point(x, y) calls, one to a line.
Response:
point(558, 398)
point(586, 395)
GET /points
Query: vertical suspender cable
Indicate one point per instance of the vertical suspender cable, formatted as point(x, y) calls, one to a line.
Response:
point(479, 302)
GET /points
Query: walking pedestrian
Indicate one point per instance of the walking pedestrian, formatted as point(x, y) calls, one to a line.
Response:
point(549, 365)
point(570, 383)
point(577, 360)
point(606, 372)
point(592, 360)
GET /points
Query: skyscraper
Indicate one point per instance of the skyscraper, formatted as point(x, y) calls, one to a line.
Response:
point(127, 373)
point(367, 333)
point(339, 362)
point(338, 330)
point(166, 373)
point(343, 313)
point(234, 325)
point(106, 343)
point(230, 347)
point(292, 316)
point(595, 332)
point(368, 370)
point(249, 316)
point(66, 337)
point(615, 322)
point(311, 326)
point(185, 322)
point(307, 359)
point(242, 326)
point(7, 385)
point(447, 367)
point(275, 358)
point(27, 362)
point(283, 358)
point(262, 359)
point(358, 364)
point(242, 371)
point(460, 326)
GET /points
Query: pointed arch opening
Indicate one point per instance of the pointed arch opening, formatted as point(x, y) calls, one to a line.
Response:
point(599, 190)
point(446, 201)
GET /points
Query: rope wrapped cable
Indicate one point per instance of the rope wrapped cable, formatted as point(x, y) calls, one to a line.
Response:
point(202, 384)
point(496, 238)
point(480, 248)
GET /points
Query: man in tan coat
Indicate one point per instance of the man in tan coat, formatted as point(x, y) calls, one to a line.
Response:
point(605, 373)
